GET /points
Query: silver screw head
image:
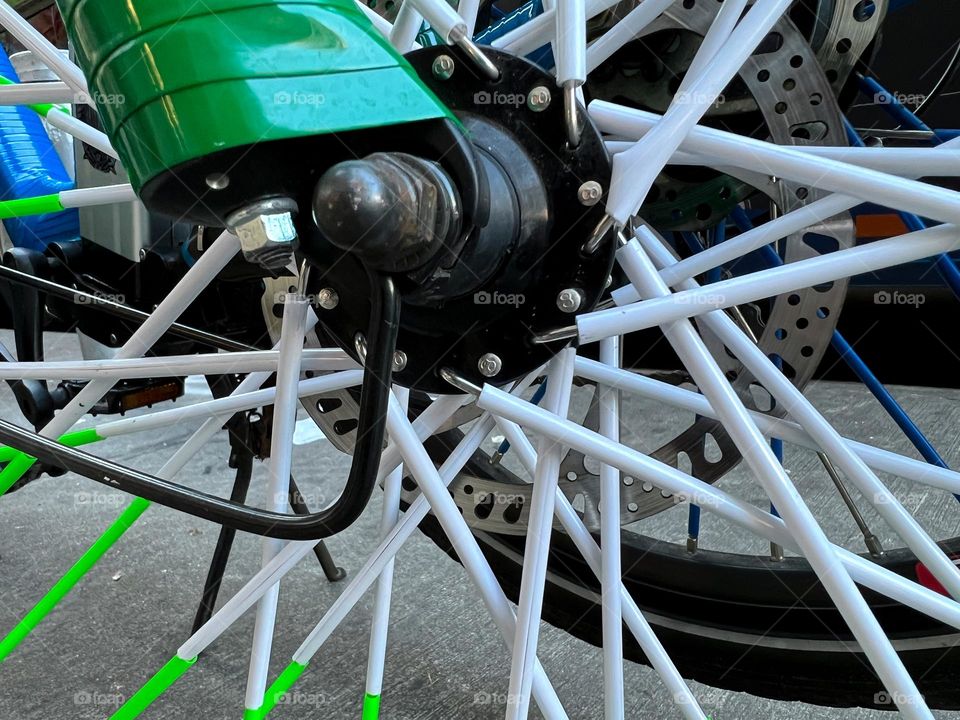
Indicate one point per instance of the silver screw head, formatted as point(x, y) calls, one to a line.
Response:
point(399, 360)
point(570, 300)
point(218, 181)
point(443, 67)
point(489, 365)
point(589, 193)
point(539, 98)
point(328, 298)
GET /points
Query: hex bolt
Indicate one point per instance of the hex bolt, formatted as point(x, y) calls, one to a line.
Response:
point(489, 365)
point(589, 193)
point(570, 300)
point(443, 67)
point(539, 98)
point(399, 360)
point(328, 298)
point(266, 232)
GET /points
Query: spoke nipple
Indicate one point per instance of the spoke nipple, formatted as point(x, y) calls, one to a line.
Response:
point(539, 98)
point(443, 67)
point(328, 298)
point(489, 365)
point(496, 458)
point(589, 193)
point(692, 544)
point(873, 545)
point(570, 300)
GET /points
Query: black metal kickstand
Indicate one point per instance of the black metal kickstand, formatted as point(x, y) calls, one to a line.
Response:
point(242, 455)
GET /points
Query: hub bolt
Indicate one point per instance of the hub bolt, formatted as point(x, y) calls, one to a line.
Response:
point(266, 231)
point(539, 98)
point(443, 67)
point(399, 360)
point(328, 298)
point(489, 365)
point(590, 193)
point(570, 300)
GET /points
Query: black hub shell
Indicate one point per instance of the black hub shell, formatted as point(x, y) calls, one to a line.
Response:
point(523, 275)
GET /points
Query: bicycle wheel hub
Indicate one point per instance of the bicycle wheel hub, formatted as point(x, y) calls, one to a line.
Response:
point(486, 258)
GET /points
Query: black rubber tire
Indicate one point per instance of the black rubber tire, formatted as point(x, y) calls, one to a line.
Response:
point(737, 622)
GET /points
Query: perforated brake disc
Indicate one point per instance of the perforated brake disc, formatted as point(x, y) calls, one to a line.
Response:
point(790, 89)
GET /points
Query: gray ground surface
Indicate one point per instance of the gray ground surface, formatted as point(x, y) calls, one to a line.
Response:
point(445, 661)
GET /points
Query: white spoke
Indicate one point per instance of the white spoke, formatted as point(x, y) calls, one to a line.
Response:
point(595, 557)
point(380, 625)
point(37, 93)
point(768, 471)
point(880, 460)
point(767, 283)
point(196, 279)
point(610, 539)
point(537, 547)
point(171, 365)
point(32, 39)
point(293, 329)
point(405, 29)
point(821, 172)
point(635, 170)
point(791, 399)
point(631, 26)
point(690, 489)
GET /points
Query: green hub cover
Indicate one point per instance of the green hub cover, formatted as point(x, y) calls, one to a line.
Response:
point(178, 80)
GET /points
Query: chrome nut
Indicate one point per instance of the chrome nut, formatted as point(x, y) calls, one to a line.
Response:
point(266, 232)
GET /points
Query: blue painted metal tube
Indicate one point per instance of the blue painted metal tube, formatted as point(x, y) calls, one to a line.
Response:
point(693, 522)
point(860, 369)
point(869, 86)
point(535, 399)
point(30, 167)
